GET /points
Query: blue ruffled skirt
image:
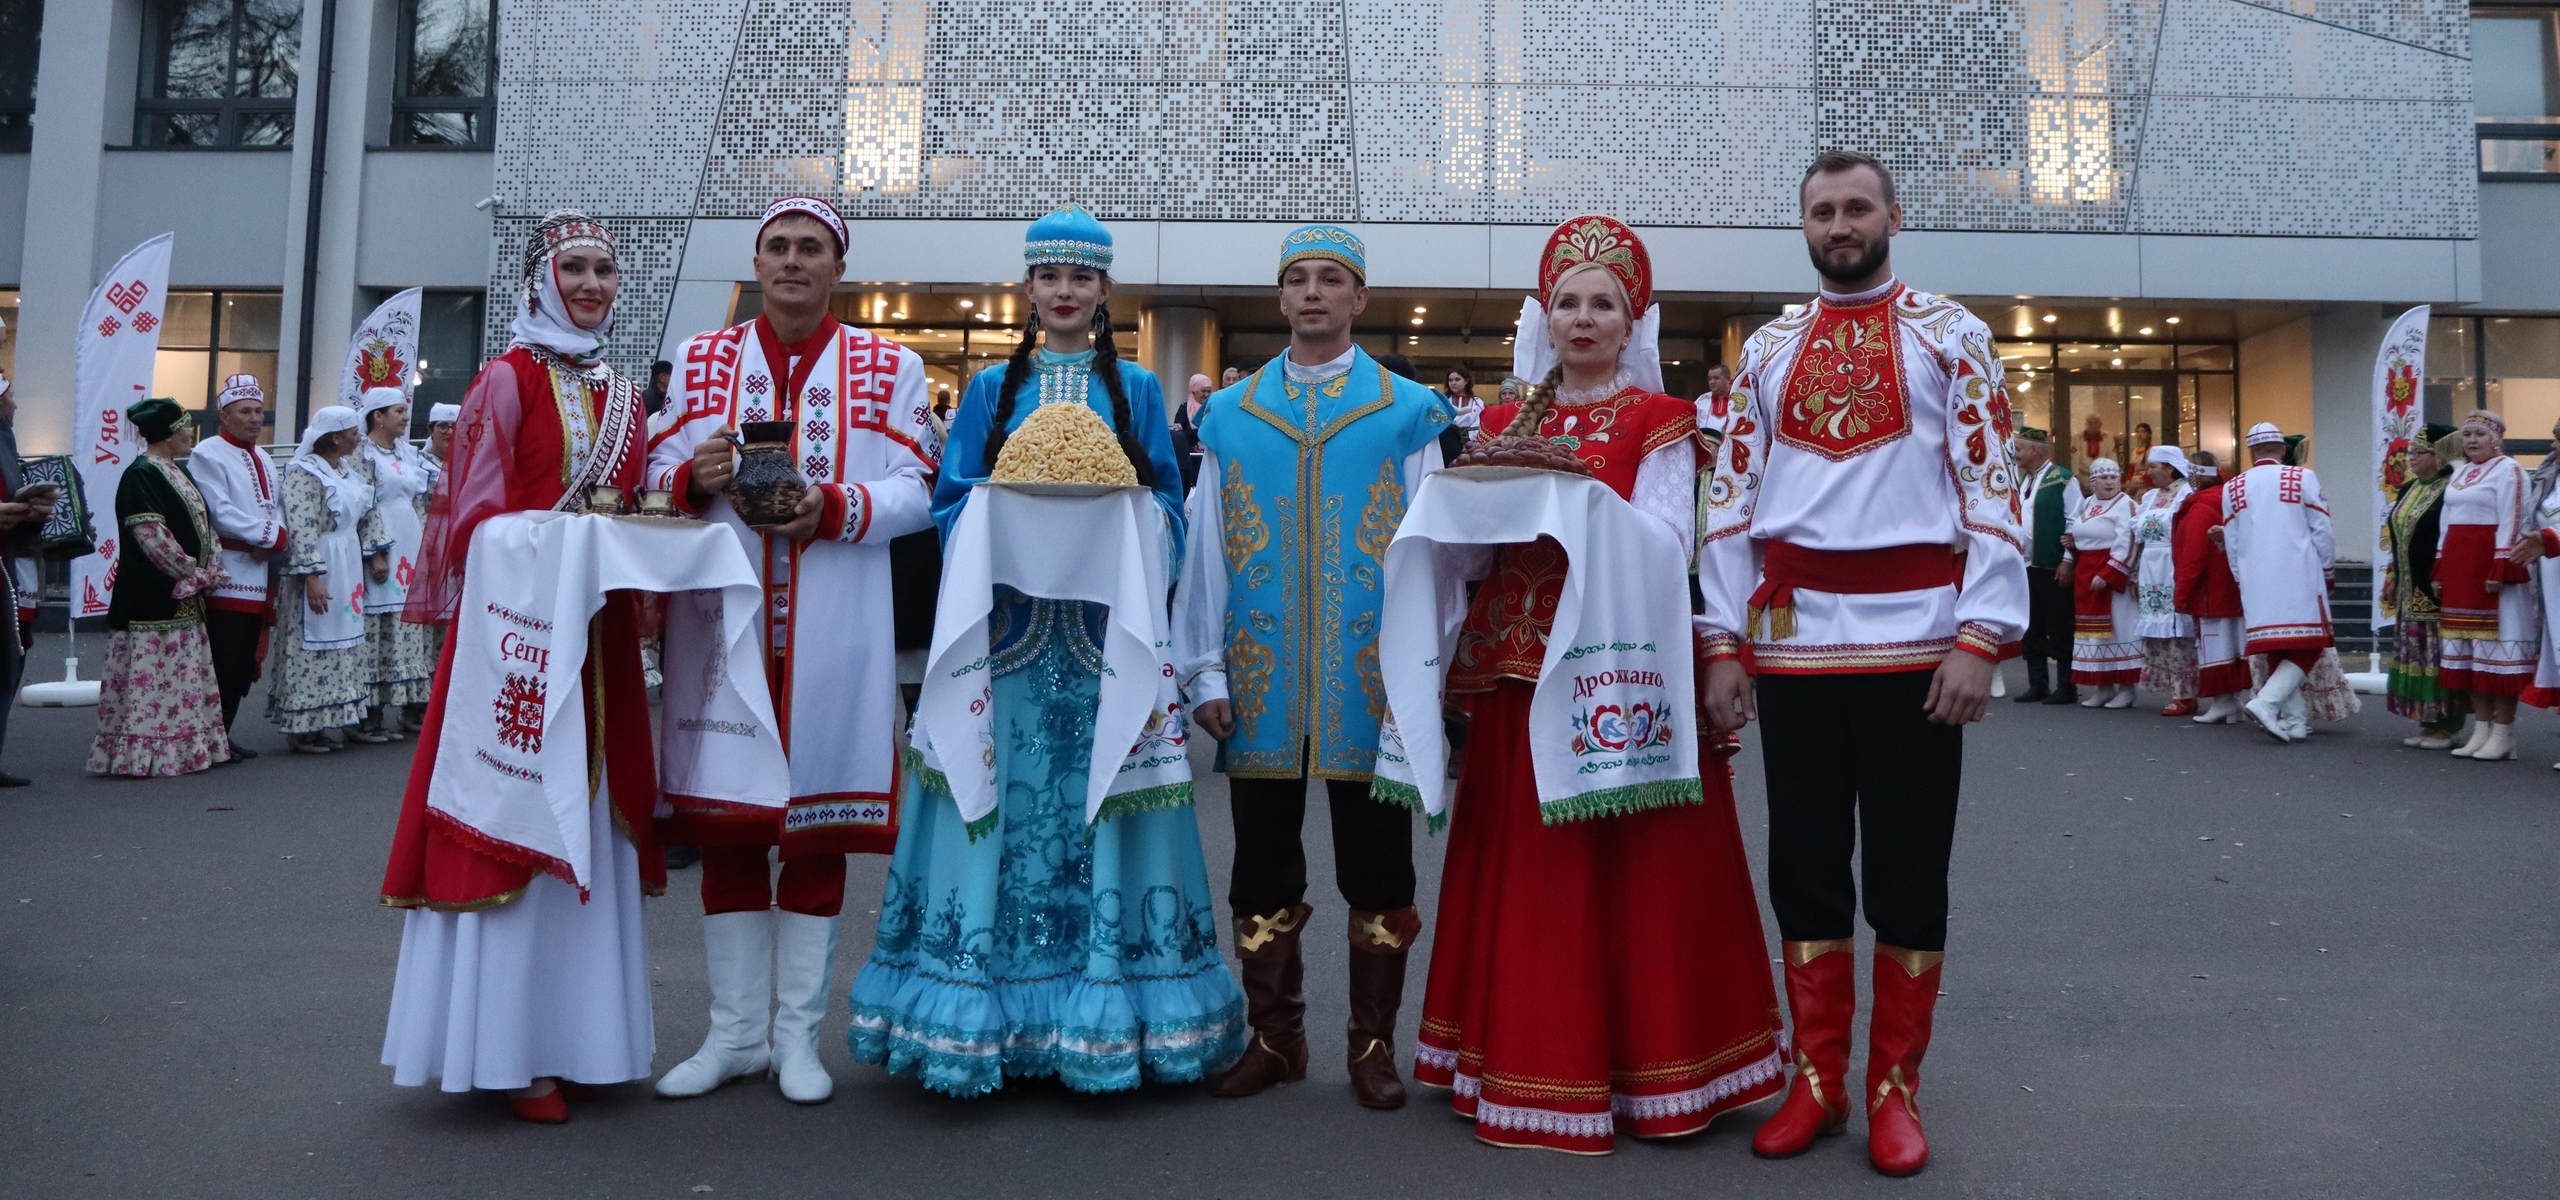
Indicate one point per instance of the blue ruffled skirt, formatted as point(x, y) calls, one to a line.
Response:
point(1045, 947)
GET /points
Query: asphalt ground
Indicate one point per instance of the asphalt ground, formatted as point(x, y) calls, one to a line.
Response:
point(2184, 962)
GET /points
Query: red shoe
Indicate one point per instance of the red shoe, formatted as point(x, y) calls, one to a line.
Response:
point(550, 1108)
point(2179, 708)
point(1822, 992)
point(1906, 983)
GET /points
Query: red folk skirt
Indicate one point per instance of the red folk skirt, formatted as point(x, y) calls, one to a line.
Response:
point(2465, 563)
point(2093, 610)
point(1593, 977)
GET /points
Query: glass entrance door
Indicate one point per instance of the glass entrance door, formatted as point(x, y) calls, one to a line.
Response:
point(2118, 416)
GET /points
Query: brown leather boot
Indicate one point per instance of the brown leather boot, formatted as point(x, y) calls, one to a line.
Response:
point(1275, 999)
point(1379, 943)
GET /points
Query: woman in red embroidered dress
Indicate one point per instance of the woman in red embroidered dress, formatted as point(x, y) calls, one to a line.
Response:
point(1608, 974)
point(509, 978)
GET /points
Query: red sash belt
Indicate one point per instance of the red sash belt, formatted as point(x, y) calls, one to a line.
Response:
point(1785, 566)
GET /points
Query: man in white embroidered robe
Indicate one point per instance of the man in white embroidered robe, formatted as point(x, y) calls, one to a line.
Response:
point(2276, 532)
point(1862, 556)
point(866, 447)
point(241, 497)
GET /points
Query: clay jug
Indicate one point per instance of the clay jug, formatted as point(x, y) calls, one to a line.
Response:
point(768, 484)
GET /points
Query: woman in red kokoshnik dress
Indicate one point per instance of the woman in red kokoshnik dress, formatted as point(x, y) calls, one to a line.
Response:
point(509, 978)
point(1606, 974)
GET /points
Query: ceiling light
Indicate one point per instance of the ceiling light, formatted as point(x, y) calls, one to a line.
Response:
point(2049, 318)
point(2173, 320)
point(968, 304)
point(2115, 362)
point(2026, 386)
point(1420, 309)
point(897, 316)
point(1417, 320)
point(982, 316)
point(2144, 331)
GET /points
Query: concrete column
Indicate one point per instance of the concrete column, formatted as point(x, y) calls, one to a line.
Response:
point(338, 305)
point(61, 242)
point(2344, 340)
point(1737, 330)
point(289, 399)
point(1177, 342)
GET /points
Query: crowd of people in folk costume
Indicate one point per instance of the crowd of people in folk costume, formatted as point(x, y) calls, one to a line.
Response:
point(230, 566)
point(1868, 533)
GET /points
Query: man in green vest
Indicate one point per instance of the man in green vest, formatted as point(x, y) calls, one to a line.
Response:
point(1304, 474)
point(2044, 495)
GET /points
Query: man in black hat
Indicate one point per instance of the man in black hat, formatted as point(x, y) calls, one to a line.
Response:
point(2043, 492)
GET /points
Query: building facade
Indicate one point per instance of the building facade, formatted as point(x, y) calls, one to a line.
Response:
point(2181, 216)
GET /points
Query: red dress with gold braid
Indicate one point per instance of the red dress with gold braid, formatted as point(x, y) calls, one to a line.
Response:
point(1600, 976)
point(530, 427)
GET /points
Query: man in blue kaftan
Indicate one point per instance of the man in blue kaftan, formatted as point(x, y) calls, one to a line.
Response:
point(1306, 468)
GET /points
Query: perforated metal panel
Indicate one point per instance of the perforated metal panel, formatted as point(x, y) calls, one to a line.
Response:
point(2263, 117)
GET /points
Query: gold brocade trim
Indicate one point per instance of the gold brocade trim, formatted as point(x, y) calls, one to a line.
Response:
point(1800, 953)
point(1242, 526)
point(506, 897)
point(1365, 665)
point(1914, 963)
point(1268, 926)
point(1384, 512)
point(1250, 665)
point(1812, 1081)
point(1885, 1090)
point(1756, 1046)
point(190, 612)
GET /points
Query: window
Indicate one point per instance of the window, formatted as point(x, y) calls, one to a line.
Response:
point(448, 351)
point(205, 336)
point(21, 21)
point(2515, 91)
point(219, 73)
point(446, 94)
point(9, 331)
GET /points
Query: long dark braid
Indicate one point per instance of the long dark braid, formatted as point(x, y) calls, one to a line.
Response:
point(1016, 370)
point(1534, 409)
point(1106, 367)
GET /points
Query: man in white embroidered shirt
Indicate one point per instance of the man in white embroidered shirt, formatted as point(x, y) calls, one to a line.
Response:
point(1861, 556)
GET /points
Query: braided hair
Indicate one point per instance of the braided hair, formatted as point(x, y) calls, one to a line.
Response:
point(1016, 370)
point(1534, 409)
point(1106, 367)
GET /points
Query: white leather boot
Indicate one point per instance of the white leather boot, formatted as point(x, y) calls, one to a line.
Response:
point(2268, 708)
point(2479, 738)
point(2501, 745)
point(2297, 715)
point(804, 955)
point(2123, 697)
point(2220, 710)
point(738, 949)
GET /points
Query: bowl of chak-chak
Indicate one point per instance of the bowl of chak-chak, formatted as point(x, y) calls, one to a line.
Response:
point(1063, 450)
point(1511, 456)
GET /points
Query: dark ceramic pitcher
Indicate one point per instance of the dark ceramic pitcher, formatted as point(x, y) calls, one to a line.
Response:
point(768, 486)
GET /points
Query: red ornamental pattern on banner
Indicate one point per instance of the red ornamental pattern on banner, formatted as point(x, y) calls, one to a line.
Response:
point(117, 348)
point(2399, 420)
point(519, 713)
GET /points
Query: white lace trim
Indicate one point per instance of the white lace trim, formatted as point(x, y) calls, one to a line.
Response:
point(1602, 1125)
point(1433, 1056)
point(1617, 383)
point(1700, 1098)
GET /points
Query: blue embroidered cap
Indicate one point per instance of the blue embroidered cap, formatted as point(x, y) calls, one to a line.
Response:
point(1326, 241)
point(1070, 236)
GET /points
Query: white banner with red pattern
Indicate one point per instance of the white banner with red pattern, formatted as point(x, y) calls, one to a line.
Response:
point(119, 345)
point(384, 350)
point(2399, 420)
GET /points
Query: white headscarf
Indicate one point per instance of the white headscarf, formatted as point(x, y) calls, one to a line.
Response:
point(444, 414)
point(323, 423)
point(2171, 455)
point(1640, 363)
point(374, 400)
point(545, 321)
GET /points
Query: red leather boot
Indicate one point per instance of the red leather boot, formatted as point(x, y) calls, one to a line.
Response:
point(1906, 986)
point(1822, 993)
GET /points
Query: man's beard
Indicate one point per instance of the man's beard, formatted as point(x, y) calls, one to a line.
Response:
point(1858, 271)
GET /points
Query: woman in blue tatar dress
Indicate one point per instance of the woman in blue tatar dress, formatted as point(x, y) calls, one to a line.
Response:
point(1049, 946)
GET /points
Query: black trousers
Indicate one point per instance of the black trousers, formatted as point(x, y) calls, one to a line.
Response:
point(2049, 620)
point(233, 637)
point(1854, 763)
point(1372, 846)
